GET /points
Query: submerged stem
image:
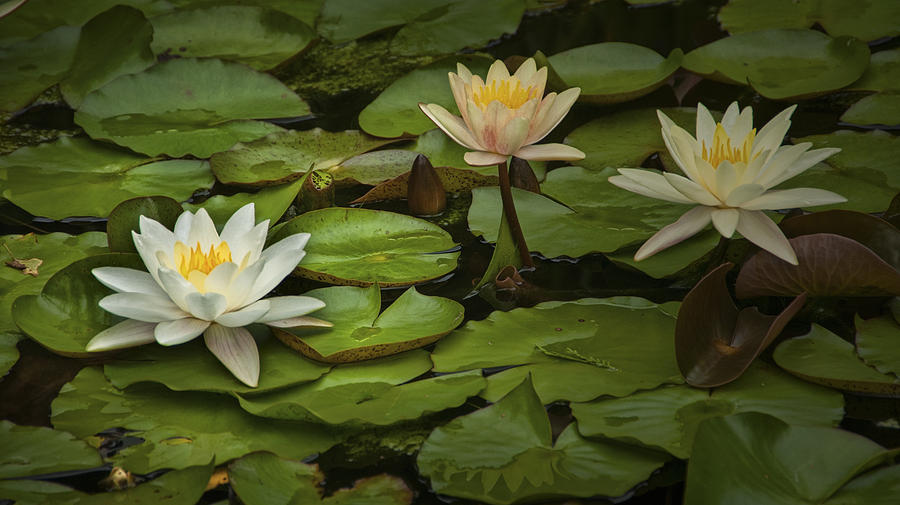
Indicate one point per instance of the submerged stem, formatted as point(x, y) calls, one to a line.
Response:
point(509, 209)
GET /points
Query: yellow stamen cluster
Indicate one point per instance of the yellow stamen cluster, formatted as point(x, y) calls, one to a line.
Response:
point(188, 260)
point(721, 149)
point(509, 92)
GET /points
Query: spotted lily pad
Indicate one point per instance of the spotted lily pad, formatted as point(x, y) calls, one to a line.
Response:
point(612, 72)
point(256, 36)
point(29, 67)
point(74, 176)
point(32, 450)
point(362, 247)
point(824, 358)
point(187, 106)
point(179, 429)
point(780, 63)
point(668, 417)
point(288, 155)
point(360, 332)
point(504, 454)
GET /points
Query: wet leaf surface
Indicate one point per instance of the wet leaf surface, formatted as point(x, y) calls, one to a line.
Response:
point(30, 450)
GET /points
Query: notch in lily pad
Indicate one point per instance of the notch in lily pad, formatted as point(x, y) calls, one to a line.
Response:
point(359, 333)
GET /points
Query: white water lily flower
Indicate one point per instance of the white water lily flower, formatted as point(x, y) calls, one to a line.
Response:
point(200, 282)
point(730, 169)
point(505, 115)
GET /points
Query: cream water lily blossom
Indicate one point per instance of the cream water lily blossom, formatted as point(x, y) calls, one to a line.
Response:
point(729, 170)
point(505, 115)
point(200, 282)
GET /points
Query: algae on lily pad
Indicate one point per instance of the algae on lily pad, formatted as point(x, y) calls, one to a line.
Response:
point(780, 63)
point(360, 332)
point(180, 429)
point(32, 450)
point(504, 454)
point(362, 247)
point(74, 176)
point(668, 417)
point(187, 106)
point(613, 72)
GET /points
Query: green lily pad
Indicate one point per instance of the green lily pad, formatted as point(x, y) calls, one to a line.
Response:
point(191, 367)
point(456, 25)
point(759, 459)
point(866, 189)
point(39, 492)
point(374, 167)
point(442, 151)
point(9, 352)
point(271, 203)
point(363, 247)
point(824, 358)
point(66, 314)
point(876, 150)
point(504, 454)
point(360, 333)
point(288, 155)
point(878, 343)
point(395, 112)
point(115, 42)
point(125, 218)
point(782, 64)
point(265, 479)
point(32, 450)
point(883, 73)
point(345, 20)
point(305, 11)
point(668, 417)
point(453, 180)
point(29, 67)
point(256, 36)
point(179, 429)
point(865, 20)
point(613, 72)
point(187, 106)
point(878, 109)
point(673, 261)
point(594, 216)
point(77, 177)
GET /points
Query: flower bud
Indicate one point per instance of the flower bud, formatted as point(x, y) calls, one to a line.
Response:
point(522, 176)
point(317, 191)
point(425, 191)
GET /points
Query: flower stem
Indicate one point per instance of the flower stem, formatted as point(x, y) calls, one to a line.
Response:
point(509, 209)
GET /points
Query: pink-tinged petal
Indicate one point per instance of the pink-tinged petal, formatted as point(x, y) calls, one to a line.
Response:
point(557, 110)
point(142, 307)
point(286, 307)
point(236, 349)
point(539, 81)
point(496, 117)
point(206, 306)
point(686, 227)
point(790, 198)
point(725, 221)
point(484, 159)
point(464, 73)
point(460, 96)
point(706, 125)
point(249, 314)
point(476, 123)
point(294, 322)
point(177, 287)
point(756, 227)
point(452, 125)
point(128, 333)
point(691, 189)
point(744, 193)
point(497, 72)
point(772, 134)
point(127, 280)
point(548, 152)
point(203, 231)
point(526, 71)
point(513, 135)
point(657, 191)
point(655, 182)
point(179, 331)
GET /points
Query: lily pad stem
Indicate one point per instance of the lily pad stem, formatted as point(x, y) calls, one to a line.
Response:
point(509, 209)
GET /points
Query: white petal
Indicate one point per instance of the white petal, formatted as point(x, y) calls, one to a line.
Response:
point(742, 125)
point(526, 71)
point(251, 242)
point(484, 159)
point(127, 280)
point(142, 307)
point(249, 314)
point(731, 115)
point(726, 179)
point(743, 193)
point(464, 73)
point(177, 287)
point(203, 231)
point(725, 221)
point(548, 152)
point(790, 198)
point(149, 251)
point(179, 331)
point(300, 321)
point(756, 227)
point(687, 226)
point(779, 162)
point(706, 125)
point(806, 161)
point(155, 234)
point(238, 292)
point(285, 307)
point(220, 279)
point(453, 126)
point(772, 134)
point(683, 148)
point(670, 195)
point(128, 333)
point(497, 72)
point(183, 227)
point(206, 306)
point(654, 181)
point(238, 225)
point(278, 261)
point(691, 189)
point(237, 350)
point(460, 95)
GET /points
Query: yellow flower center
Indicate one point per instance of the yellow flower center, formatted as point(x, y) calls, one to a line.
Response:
point(194, 265)
point(721, 149)
point(509, 92)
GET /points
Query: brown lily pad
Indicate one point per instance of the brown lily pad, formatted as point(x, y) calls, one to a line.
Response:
point(882, 237)
point(830, 265)
point(715, 342)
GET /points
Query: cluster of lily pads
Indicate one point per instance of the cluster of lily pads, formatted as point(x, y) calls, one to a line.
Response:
point(180, 113)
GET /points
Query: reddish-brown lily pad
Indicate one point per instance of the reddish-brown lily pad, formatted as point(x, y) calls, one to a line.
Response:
point(714, 341)
point(880, 236)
